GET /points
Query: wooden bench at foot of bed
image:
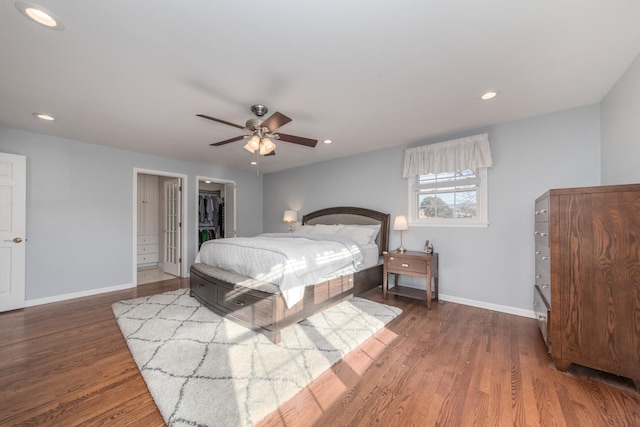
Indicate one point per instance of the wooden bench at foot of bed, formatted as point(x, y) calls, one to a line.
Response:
point(260, 306)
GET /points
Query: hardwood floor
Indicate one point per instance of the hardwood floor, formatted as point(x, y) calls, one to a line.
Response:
point(67, 364)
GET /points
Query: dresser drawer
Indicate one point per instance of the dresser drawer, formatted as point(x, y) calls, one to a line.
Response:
point(245, 306)
point(148, 239)
point(543, 282)
point(405, 265)
point(542, 313)
point(542, 209)
point(205, 290)
point(147, 249)
point(147, 258)
point(542, 255)
point(542, 233)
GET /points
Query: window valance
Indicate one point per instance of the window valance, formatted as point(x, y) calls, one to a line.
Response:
point(471, 152)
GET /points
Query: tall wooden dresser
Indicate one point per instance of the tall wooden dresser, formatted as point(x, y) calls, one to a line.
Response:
point(587, 291)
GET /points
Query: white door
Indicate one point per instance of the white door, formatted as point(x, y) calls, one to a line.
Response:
point(229, 210)
point(13, 210)
point(172, 225)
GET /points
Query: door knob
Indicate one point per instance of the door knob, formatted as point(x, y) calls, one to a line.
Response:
point(15, 240)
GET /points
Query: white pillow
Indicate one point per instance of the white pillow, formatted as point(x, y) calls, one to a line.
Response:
point(361, 235)
point(326, 229)
point(304, 229)
point(374, 227)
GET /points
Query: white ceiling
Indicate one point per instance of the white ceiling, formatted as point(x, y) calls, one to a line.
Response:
point(367, 74)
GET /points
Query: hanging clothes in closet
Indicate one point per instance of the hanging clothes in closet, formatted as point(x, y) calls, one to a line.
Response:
point(210, 212)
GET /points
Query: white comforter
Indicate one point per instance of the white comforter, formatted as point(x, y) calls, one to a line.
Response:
point(291, 261)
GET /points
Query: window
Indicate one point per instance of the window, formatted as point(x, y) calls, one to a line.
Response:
point(449, 198)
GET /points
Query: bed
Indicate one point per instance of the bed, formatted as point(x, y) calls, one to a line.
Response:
point(265, 307)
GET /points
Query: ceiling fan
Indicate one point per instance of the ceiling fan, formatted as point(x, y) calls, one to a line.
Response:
point(262, 133)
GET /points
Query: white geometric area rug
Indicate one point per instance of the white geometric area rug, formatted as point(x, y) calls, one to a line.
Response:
point(203, 370)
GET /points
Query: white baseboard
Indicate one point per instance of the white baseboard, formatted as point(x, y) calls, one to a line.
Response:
point(489, 306)
point(64, 297)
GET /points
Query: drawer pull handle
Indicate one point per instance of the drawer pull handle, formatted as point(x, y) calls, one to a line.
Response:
point(405, 265)
point(544, 234)
point(543, 211)
point(545, 258)
point(239, 302)
point(536, 233)
point(538, 276)
point(545, 286)
point(538, 252)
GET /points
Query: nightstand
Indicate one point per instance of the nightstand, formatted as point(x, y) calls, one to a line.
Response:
point(411, 263)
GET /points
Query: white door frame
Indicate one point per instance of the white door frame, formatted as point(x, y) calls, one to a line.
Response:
point(183, 232)
point(217, 181)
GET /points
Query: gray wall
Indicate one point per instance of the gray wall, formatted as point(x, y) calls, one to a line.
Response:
point(80, 210)
point(620, 121)
point(485, 266)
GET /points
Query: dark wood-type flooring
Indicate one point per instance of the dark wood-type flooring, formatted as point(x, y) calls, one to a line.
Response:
point(67, 364)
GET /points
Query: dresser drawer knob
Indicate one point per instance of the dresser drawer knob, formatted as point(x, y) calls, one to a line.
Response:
point(239, 302)
point(544, 234)
point(536, 233)
point(538, 276)
point(538, 252)
point(545, 286)
point(545, 258)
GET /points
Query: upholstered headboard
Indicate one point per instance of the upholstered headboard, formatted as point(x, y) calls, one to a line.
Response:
point(353, 216)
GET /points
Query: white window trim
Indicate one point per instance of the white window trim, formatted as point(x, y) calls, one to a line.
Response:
point(482, 206)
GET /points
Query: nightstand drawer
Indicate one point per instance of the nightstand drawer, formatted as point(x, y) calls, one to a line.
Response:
point(401, 264)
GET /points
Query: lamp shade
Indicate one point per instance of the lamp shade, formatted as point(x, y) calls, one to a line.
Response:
point(290, 216)
point(400, 223)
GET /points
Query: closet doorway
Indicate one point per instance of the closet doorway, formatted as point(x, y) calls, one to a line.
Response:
point(159, 227)
point(215, 210)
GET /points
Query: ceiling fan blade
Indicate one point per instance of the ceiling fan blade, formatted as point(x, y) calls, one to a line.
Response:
point(220, 121)
point(226, 141)
point(272, 153)
point(297, 139)
point(276, 120)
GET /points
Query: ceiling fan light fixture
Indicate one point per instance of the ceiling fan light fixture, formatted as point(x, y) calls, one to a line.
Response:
point(254, 142)
point(266, 146)
point(249, 148)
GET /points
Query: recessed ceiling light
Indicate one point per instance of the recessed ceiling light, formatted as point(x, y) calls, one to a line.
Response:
point(254, 163)
point(40, 15)
point(44, 116)
point(327, 141)
point(489, 95)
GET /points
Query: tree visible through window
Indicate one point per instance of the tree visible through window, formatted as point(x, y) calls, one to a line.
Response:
point(449, 198)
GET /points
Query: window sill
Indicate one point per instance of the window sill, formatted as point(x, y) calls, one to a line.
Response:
point(467, 225)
